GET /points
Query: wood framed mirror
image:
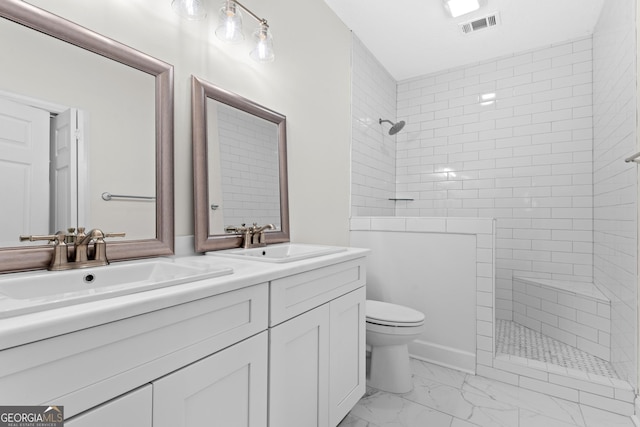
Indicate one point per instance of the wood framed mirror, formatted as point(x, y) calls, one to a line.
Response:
point(239, 165)
point(33, 21)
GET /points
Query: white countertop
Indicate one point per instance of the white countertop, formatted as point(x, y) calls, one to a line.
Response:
point(31, 327)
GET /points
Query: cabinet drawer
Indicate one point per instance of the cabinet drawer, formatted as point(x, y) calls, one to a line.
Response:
point(293, 295)
point(84, 368)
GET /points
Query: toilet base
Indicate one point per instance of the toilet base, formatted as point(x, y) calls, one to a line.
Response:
point(390, 370)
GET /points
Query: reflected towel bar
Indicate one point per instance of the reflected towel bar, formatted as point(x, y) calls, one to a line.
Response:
point(633, 158)
point(108, 196)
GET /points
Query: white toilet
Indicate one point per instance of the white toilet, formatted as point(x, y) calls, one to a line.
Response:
point(390, 328)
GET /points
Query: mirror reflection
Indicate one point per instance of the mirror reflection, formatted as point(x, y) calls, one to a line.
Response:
point(243, 168)
point(73, 125)
point(240, 167)
point(106, 126)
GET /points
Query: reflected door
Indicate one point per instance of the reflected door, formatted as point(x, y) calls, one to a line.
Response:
point(64, 170)
point(24, 171)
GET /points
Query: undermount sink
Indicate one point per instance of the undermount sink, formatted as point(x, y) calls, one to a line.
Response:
point(23, 293)
point(283, 252)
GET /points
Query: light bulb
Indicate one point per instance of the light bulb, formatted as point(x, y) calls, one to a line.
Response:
point(461, 7)
point(229, 23)
point(263, 52)
point(189, 9)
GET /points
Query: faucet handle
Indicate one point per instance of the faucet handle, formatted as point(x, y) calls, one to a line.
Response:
point(235, 228)
point(56, 238)
point(70, 237)
point(120, 234)
point(100, 246)
point(80, 235)
point(59, 258)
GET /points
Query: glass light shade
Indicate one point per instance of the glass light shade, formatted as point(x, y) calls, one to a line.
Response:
point(230, 23)
point(190, 9)
point(461, 7)
point(263, 52)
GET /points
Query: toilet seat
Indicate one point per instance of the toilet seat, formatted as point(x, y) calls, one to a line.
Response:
point(387, 314)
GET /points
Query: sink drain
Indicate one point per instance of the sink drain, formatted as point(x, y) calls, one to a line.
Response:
point(89, 278)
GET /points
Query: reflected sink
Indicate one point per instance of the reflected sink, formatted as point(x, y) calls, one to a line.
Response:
point(23, 293)
point(283, 252)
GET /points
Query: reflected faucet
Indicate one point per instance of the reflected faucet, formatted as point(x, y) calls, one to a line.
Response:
point(82, 257)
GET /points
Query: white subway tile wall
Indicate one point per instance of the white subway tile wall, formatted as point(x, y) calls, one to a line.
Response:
point(615, 182)
point(509, 138)
point(373, 152)
point(250, 190)
point(573, 313)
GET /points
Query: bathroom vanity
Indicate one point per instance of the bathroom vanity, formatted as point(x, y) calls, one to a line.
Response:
point(271, 344)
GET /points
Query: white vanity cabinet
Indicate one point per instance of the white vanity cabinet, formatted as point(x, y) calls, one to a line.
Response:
point(298, 374)
point(282, 346)
point(228, 389)
point(131, 410)
point(317, 345)
point(347, 370)
point(84, 369)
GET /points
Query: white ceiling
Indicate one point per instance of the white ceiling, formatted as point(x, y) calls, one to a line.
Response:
point(416, 37)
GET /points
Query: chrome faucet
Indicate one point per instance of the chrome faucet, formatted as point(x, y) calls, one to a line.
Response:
point(257, 234)
point(253, 236)
point(96, 236)
point(241, 229)
point(82, 257)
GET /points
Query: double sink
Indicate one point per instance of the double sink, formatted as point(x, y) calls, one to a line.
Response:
point(23, 293)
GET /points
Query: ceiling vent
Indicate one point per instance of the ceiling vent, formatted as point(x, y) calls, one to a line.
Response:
point(480, 24)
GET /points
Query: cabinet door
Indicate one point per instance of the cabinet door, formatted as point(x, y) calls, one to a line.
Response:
point(347, 369)
point(131, 410)
point(228, 388)
point(298, 372)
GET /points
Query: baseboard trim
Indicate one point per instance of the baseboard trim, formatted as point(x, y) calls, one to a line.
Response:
point(442, 355)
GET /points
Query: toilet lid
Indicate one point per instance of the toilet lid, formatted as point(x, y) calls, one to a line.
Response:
point(387, 313)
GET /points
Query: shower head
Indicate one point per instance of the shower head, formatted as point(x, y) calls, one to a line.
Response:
point(395, 127)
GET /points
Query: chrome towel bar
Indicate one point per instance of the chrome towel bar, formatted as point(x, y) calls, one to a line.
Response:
point(108, 196)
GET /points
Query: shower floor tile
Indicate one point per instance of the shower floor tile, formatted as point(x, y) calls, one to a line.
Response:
point(517, 340)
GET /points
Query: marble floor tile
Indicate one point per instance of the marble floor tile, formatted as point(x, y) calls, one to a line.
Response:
point(389, 410)
point(527, 400)
point(534, 419)
point(445, 397)
point(352, 421)
point(594, 417)
point(477, 408)
point(437, 373)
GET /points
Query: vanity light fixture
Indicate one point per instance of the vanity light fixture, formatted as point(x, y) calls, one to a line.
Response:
point(230, 30)
point(229, 27)
point(462, 7)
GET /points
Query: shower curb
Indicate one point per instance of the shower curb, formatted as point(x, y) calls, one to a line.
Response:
point(609, 394)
